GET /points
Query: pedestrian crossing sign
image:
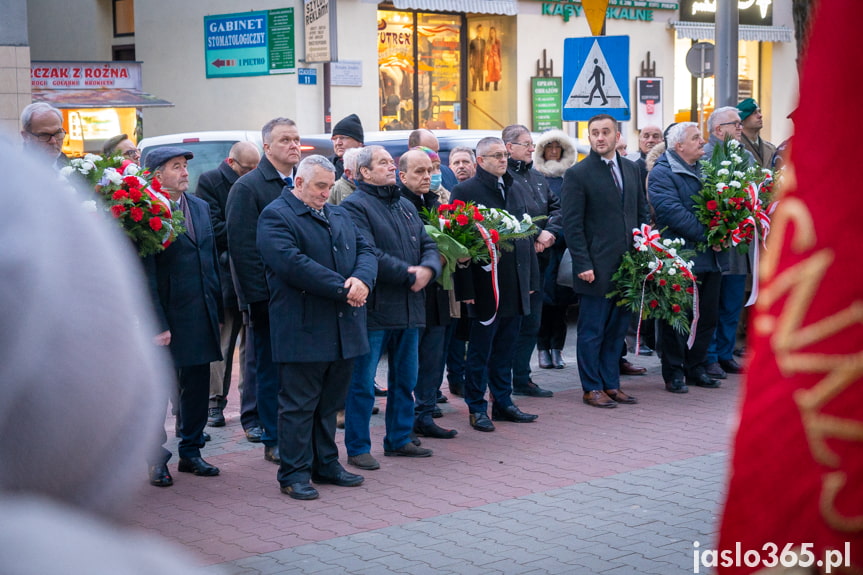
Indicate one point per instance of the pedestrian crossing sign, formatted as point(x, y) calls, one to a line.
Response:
point(596, 78)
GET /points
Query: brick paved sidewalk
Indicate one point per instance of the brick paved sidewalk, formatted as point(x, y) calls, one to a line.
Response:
point(582, 490)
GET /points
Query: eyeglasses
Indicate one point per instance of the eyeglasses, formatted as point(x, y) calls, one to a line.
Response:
point(58, 135)
point(498, 156)
point(134, 153)
point(737, 124)
point(525, 144)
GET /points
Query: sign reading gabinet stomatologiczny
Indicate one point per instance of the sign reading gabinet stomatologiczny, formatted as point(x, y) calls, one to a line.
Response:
point(596, 78)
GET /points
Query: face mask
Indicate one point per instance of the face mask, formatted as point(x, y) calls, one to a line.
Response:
point(435, 182)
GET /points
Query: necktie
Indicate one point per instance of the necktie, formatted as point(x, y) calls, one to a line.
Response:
point(289, 181)
point(614, 176)
point(190, 229)
point(502, 190)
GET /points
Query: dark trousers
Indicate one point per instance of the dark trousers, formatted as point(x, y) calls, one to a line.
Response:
point(249, 388)
point(310, 395)
point(431, 366)
point(732, 292)
point(526, 341)
point(456, 348)
point(552, 327)
point(489, 359)
point(601, 331)
point(221, 371)
point(677, 360)
point(266, 374)
point(193, 384)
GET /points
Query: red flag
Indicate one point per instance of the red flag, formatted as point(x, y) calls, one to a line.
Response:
point(796, 482)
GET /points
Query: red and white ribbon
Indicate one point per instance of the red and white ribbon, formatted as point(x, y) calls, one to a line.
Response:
point(490, 267)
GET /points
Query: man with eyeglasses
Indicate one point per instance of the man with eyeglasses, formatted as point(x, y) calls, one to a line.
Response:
point(495, 318)
point(121, 145)
point(213, 187)
point(42, 133)
point(533, 187)
point(248, 197)
point(725, 123)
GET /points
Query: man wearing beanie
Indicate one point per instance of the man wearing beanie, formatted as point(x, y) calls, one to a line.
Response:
point(347, 134)
point(753, 121)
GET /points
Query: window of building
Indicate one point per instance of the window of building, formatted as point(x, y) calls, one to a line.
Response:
point(124, 17)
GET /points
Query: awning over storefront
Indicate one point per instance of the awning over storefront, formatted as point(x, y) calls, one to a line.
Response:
point(99, 98)
point(506, 7)
point(706, 31)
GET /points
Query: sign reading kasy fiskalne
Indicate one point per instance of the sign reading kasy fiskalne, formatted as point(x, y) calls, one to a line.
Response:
point(85, 75)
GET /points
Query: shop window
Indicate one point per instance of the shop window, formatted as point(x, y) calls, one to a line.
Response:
point(124, 17)
point(491, 73)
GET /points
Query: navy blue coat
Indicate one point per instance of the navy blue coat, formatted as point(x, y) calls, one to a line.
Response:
point(518, 270)
point(670, 187)
point(597, 225)
point(184, 286)
point(307, 260)
point(213, 188)
point(391, 224)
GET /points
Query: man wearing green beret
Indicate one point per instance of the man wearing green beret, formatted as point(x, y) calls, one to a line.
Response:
point(753, 121)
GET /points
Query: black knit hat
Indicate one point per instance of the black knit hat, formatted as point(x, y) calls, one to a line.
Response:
point(351, 127)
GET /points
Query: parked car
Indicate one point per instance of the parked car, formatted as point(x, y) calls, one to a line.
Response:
point(210, 148)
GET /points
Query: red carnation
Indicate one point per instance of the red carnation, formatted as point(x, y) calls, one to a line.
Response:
point(676, 287)
point(444, 207)
point(712, 205)
point(662, 283)
point(495, 237)
point(137, 214)
point(118, 210)
point(690, 290)
point(120, 195)
point(156, 185)
point(654, 303)
point(675, 308)
point(135, 194)
point(156, 208)
point(156, 224)
point(477, 215)
point(649, 277)
point(132, 181)
point(462, 220)
point(447, 224)
point(458, 203)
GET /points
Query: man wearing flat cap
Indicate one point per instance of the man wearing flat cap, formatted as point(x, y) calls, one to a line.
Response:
point(753, 121)
point(347, 134)
point(187, 299)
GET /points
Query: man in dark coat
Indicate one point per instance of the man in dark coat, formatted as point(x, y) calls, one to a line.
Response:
point(184, 285)
point(407, 261)
point(540, 202)
point(415, 169)
point(42, 134)
point(603, 200)
point(495, 321)
point(675, 178)
point(347, 134)
point(247, 199)
point(213, 187)
point(319, 271)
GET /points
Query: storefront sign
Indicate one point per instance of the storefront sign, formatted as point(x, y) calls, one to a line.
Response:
point(545, 103)
point(636, 10)
point(320, 27)
point(250, 43)
point(596, 77)
point(751, 12)
point(85, 76)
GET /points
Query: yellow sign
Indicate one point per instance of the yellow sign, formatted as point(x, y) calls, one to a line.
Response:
point(595, 12)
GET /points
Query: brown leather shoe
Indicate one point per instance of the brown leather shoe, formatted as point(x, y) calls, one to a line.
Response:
point(620, 397)
point(627, 368)
point(598, 398)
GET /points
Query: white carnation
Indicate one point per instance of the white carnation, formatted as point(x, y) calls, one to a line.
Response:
point(131, 170)
point(672, 271)
point(722, 172)
point(725, 163)
point(643, 248)
point(113, 176)
point(92, 158)
point(737, 159)
point(738, 174)
point(734, 184)
point(651, 265)
point(720, 186)
point(672, 252)
point(666, 242)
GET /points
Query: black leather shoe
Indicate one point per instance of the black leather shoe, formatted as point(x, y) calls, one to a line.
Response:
point(380, 392)
point(557, 359)
point(301, 490)
point(160, 476)
point(343, 479)
point(437, 413)
point(441, 398)
point(481, 422)
point(415, 440)
point(253, 434)
point(215, 417)
point(207, 437)
point(431, 429)
point(644, 350)
point(271, 453)
point(531, 389)
point(409, 450)
point(676, 386)
point(511, 413)
point(197, 466)
point(703, 380)
point(545, 359)
point(715, 371)
point(731, 366)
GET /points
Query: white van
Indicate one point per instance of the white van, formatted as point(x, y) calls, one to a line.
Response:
point(210, 148)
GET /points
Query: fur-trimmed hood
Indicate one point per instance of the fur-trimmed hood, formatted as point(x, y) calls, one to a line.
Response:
point(554, 169)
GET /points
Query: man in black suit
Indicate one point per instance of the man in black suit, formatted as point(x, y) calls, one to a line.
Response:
point(187, 299)
point(247, 199)
point(495, 324)
point(603, 200)
point(320, 271)
point(213, 187)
